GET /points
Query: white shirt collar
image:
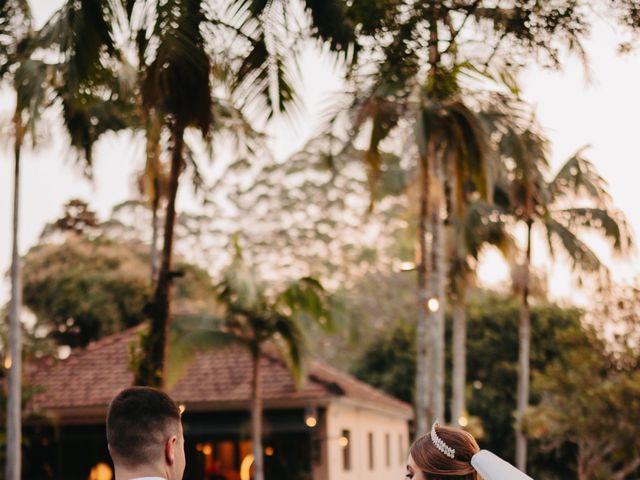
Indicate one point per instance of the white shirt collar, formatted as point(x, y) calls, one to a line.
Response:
point(149, 478)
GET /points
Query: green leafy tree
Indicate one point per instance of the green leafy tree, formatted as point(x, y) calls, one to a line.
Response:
point(82, 290)
point(590, 402)
point(84, 280)
point(389, 358)
point(257, 319)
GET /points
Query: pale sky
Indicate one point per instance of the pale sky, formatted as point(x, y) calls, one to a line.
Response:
point(602, 114)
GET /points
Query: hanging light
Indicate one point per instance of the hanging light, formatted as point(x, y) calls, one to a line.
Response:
point(311, 417)
point(433, 304)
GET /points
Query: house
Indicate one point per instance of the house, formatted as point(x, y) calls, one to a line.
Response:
point(333, 427)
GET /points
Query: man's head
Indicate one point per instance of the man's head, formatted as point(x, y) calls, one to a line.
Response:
point(144, 433)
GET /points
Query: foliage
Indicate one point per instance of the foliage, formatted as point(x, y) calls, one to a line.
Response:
point(253, 314)
point(258, 320)
point(574, 201)
point(312, 209)
point(388, 362)
point(83, 290)
point(590, 402)
point(492, 368)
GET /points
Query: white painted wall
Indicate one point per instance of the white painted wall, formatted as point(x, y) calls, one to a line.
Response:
point(361, 422)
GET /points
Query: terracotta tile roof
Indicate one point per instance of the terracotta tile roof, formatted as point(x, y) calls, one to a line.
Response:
point(91, 377)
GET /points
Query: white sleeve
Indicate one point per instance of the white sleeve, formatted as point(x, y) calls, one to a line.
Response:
point(492, 467)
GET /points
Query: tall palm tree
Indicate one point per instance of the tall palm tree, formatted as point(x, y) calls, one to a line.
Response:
point(548, 205)
point(451, 144)
point(256, 321)
point(418, 47)
point(28, 80)
point(480, 225)
point(177, 85)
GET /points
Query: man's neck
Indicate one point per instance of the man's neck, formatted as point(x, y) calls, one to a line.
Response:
point(138, 474)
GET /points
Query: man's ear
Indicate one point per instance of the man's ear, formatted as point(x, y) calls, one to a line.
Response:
point(170, 450)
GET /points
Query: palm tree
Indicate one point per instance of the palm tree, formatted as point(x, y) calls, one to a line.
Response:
point(480, 225)
point(534, 201)
point(177, 86)
point(417, 47)
point(451, 147)
point(256, 321)
point(28, 80)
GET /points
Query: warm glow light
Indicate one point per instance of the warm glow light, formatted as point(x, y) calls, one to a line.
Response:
point(407, 266)
point(101, 471)
point(207, 449)
point(182, 408)
point(477, 384)
point(433, 304)
point(268, 451)
point(463, 421)
point(343, 441)
point(7, 362)
point(245, 467)
point(311, 421)
point(199, 447)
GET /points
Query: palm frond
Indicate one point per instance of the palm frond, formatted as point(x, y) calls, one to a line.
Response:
point(80, 31)
point(177, 81)
point(31, 82)
point(611, 224)
point(306, 299)
point(579, 253)
point(579, 177)
point(190, 335)
point(331, 23)
point(291, 341)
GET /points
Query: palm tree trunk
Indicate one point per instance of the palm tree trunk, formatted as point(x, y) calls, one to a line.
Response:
point(14, 414)
point(523, 361)
point(437, 278)
point(153, 254)
point(153, 169)
point(422, 396)
point(256, 419)
point(437, 272)
point(160, 307)
point(458, 407)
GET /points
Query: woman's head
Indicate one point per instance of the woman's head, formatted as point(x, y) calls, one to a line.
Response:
point(427, 462)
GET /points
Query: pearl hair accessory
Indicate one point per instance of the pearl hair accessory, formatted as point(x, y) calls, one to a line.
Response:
point(440, 444)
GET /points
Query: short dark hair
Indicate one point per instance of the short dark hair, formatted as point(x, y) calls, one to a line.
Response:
point(139, 421)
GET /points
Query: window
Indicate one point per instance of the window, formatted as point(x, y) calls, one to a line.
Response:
point(345, 443)
point(387, 449)
point(370, 451)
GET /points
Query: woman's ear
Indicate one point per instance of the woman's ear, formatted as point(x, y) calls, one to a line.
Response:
point(170, 450)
